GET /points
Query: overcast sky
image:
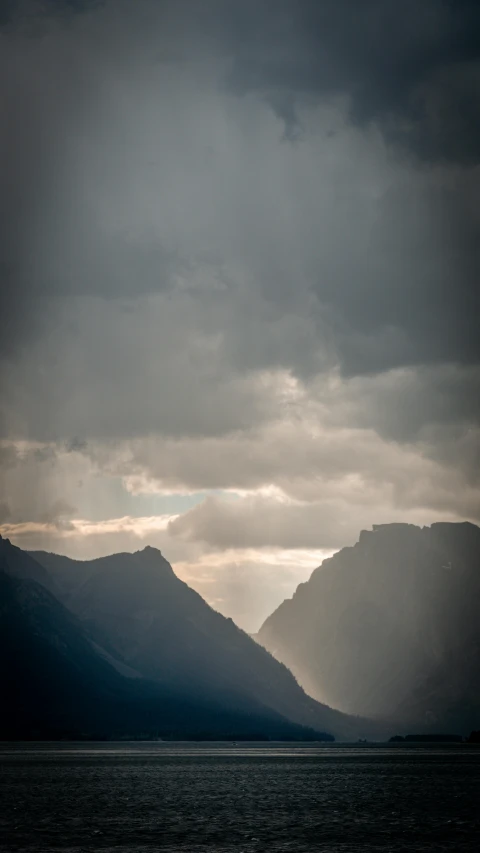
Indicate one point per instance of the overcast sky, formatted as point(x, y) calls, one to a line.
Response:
point(239, 258)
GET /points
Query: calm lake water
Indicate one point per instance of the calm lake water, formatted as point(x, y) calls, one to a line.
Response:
point(219, 797)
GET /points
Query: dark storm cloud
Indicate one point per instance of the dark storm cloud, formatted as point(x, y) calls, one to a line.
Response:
point(412, 66)
point(413, 70)
point(34, 104)
point(385, 277)
point(29, 11)
point(52, 241)
point(411, 296)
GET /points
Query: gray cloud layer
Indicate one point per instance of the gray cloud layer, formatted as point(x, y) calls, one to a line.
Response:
point(412, 66)
point(411, 69)
point(201, 203)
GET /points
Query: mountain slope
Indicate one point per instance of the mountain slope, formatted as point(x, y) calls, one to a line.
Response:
point(54, 683)
point(135, 607)
point(390, 627)
point(20, 564)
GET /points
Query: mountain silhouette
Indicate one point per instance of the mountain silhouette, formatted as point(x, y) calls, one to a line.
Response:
point(121, 646)
point(389, 628)
point(142, 616)
point(57, 682)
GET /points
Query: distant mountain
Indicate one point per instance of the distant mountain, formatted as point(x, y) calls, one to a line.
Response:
point(143, 617)
point(390, 627)
point(55, 682)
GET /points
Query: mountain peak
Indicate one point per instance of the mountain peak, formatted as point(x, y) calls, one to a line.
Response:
point(149, 549)
point(153, 558)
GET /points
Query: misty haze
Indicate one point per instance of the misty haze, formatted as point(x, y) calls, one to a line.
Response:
point(239, 425)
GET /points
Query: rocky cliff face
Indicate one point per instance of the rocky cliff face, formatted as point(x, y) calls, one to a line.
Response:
point(390, 627)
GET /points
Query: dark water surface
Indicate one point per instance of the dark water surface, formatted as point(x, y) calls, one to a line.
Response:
point(217, 797)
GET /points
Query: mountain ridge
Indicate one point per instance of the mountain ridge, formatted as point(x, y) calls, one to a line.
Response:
point(388, 627)
point(56, 684)
point(224, 701)
point(156, 624)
